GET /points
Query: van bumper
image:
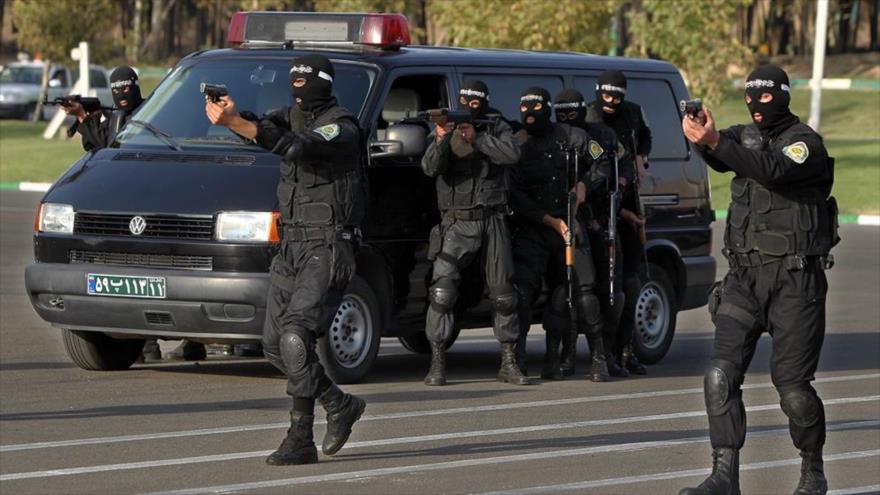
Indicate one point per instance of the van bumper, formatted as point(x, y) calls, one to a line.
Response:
point(207, 305)
point(700, 275)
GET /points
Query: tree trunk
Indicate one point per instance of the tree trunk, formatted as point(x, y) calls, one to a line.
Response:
point(873, 13)
point(153, 45)
point(44, 88)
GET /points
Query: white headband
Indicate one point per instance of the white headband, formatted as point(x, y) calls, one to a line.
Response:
point(611, 88)
point(531, 98)
point(564, 106)
point(473, 92)
point(305, 69)
point(123, 83)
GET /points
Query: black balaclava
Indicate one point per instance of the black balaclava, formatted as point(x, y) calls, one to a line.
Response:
point(769, 79)
point(316, 95)
point(474, 89)
point(571, 100)
point(612, 82)
point(125, 77)
point(532, 98)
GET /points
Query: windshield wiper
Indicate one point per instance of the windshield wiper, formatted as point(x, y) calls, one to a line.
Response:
point(159, 133)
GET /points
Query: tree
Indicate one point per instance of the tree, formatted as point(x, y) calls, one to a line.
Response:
point(696, 36)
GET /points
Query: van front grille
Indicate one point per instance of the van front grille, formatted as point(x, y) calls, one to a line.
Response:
point(163, 226)
point(145, 260)
point(159, 318)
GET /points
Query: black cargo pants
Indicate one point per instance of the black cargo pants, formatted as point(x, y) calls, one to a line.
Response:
point(459, 243)
point(611, 313)
point(789, 303)
point(539, 254)
point(633, 277)
point(300, 300)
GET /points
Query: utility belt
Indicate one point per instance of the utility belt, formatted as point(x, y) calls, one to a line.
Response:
point(478, 213)
point(328, 233)
point(791, 262)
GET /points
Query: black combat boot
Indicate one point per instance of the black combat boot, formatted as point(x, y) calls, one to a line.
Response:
point(614, 368)
point(813, 480)
point(551, 369)
point(299, 446)
point(521, 355)
point(342, 411)
point(569, 353)
point(631, 362)
point(509, 373)
point(598, 366)
point(437, 373)
point(724, 479)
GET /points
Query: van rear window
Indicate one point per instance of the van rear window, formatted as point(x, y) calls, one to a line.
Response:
point(177, 107)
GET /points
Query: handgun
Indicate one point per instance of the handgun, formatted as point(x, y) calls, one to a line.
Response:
point(691, 107)
point(213, 91)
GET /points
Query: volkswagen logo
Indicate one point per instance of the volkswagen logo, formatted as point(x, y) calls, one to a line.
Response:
point(137, 225)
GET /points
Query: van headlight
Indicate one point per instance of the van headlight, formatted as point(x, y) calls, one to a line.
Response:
point(56, 218)
point(246, 226)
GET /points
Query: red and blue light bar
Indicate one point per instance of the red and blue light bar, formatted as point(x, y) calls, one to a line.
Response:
point(385, 31)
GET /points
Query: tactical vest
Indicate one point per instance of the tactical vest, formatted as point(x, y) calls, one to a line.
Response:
point(779, 222)
point(471, 182)
point(314, 193)
point(627, 120)
point(542, 167)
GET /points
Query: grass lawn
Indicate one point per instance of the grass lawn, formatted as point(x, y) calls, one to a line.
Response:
point(850, 124)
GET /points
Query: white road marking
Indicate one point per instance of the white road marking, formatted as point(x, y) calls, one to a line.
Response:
point(857, 490)
point(583, 485)
point(537, 456)
point(404, 440)
point(404, 415)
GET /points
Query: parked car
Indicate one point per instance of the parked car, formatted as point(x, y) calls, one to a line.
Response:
point(20, 87)
point(171, 237)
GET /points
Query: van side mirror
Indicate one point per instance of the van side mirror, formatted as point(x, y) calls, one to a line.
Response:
point(401, 141)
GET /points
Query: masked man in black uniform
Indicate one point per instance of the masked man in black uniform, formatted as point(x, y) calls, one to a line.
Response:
point(470, 165)
point(627, 119)
point(98, 133)
point(781, 225)
point(321, 195)
point(541, 183)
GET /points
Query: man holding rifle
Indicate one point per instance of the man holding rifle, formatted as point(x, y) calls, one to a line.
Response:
point(469, 161)
point(550, 243)
point(628, 121)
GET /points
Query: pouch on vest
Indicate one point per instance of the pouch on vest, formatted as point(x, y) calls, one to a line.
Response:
point(831, 204)
point(285, 199)
point(715, 298)
point(315, 213)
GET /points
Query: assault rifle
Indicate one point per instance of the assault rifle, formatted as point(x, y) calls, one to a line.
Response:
point(443, 116)
point(571, 221)
point(611, 237)
point(89, 103)
point(213, 91)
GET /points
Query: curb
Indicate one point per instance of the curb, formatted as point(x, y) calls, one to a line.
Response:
point(843, 219)
point(26, 186)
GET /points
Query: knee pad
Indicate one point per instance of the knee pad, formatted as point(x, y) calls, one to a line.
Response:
point(801, 405)
point(557, 318)
point(294, 351)
point(590, 311)
point(443, 296)
point(721, 386)
point(504, 300)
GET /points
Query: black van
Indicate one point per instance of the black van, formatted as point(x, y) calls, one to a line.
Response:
point(170, 234)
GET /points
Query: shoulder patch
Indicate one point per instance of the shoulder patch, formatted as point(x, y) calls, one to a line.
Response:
point(798, 152)
point(596, 149)
point(329, 131)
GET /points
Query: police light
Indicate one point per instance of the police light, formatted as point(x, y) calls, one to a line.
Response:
point(386, 31)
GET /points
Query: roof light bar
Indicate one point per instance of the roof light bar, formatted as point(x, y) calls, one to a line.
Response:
point(386, 31)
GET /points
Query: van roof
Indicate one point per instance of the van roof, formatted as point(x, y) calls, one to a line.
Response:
point(467, 57)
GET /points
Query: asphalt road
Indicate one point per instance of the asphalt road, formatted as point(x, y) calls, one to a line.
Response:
point(199, 428)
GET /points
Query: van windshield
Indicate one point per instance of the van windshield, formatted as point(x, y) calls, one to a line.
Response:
point(177, 107)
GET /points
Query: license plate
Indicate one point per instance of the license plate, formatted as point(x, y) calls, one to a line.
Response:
point(124, 286)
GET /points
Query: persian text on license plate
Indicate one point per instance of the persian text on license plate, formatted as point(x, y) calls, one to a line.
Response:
point(125, 286)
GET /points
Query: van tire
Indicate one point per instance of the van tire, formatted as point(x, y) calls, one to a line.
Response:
point(95, 351)
point(351, 344)
point(656, 309)
point(418, 342)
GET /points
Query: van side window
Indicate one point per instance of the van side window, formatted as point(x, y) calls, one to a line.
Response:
point(660, 109)
point(505, 89)
point(411, 93)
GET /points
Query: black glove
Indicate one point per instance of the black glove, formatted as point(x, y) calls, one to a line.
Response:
point(342, 263)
